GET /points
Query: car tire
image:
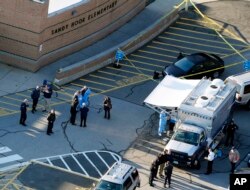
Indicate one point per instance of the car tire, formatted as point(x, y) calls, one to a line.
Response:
point(216, 74)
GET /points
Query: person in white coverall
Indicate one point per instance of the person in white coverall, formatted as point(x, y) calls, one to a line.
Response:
point(162, 123)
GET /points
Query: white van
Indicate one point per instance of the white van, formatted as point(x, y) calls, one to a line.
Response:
point(242, 82)
point(120, 176)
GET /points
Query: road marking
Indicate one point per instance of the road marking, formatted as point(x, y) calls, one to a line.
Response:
point(202, 39)
point(9, 103)
point(3, 111)
point(85, 80)
point(130, 80)
point(102, 159)
point(86, 173)
point(192, 31)
point(65, 163)
point(159, 54)
point(131, 72)
point(4, 149)
point(149, 58)
point(200, 44)
point(163, 49)
point(139, 68)
point(92, 163)
point(112, 74)
point(181, 47)
point(95, 76)
point(75, 84)
point(11, 158)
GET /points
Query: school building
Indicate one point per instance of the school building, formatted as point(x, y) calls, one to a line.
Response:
point(35, 33)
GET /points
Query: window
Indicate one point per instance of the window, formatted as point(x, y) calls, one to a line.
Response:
point(184, 64)
point(134, 174)
point(127, 184)
point(247, 89)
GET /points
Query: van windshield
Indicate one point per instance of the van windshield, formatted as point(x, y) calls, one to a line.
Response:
point(106, 185)
point(187, 137)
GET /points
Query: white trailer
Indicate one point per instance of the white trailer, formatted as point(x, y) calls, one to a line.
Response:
point(202, 117)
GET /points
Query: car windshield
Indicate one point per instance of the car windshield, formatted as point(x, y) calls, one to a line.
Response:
point(184, 64)
point(106, 185)
point(186, 137)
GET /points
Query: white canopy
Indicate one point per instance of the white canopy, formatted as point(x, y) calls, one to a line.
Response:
point(170, 92)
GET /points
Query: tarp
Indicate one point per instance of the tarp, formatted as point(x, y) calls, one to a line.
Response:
point(170, 92)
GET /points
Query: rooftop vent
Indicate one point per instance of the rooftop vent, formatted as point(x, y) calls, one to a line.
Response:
point(202, 101)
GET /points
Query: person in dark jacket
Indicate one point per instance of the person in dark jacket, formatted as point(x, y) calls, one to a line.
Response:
point(163, 158)
point(153, 172)
point(35, 97)
point(73, 110)
point(84, 113)
point(23, 109)
point(230, 133)
point(168, 173)
point(51, 119)
point(47, 93)
point(107, 106)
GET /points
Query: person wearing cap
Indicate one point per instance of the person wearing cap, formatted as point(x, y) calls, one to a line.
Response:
point(35, 97)
point(23, 109)
point(84, 113)
point(234, 157)
point(51, 119)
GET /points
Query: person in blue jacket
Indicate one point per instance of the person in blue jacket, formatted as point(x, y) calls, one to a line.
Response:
point(162, 123)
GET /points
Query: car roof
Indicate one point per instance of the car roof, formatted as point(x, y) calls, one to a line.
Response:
point(241, 78)
point(118, 172)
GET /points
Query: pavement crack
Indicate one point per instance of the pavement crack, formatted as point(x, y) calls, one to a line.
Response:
point(64, 126)
point(133, 87)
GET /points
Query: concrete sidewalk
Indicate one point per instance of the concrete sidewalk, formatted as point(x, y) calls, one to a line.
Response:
point(14, 80)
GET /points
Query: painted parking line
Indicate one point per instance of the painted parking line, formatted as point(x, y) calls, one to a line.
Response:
point(188, 48)
point(158, 54)
point(113, 74)
point(89, 163)
point(126, 71)
point(202, 39)
point(99, 77)
point(194, 43)
point(148, 58)
point(10, 158)
point(95, 82)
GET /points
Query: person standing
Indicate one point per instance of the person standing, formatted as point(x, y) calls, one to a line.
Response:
point(234, 157)
point(51, 119)
point(153, 173)
point(230, 133)
point(163, 158)
point(84, 113)
point(168, 173)
point(47, 93)
point(35, 97)
point(162, 123)
point(23, 109)
point(73, 110)
point(107, 106)
point(210, 160)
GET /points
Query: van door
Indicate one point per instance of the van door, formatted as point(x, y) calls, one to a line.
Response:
point(128, 184)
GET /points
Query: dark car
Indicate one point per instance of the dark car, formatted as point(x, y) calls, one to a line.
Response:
point(195, 66)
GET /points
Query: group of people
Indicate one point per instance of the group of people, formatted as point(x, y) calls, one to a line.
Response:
point(80, 103)
point(163, 162)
